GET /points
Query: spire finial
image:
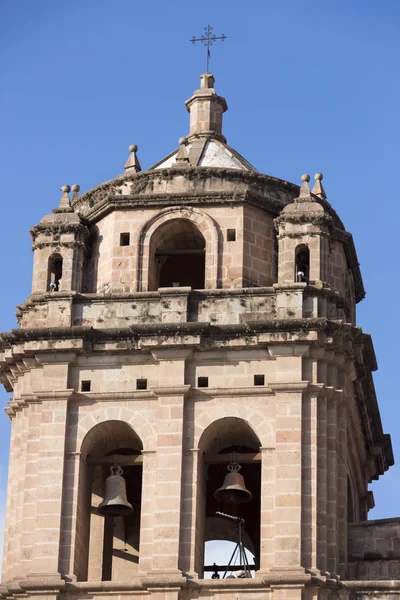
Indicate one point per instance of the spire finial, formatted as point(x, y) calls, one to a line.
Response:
point(305, 188)
point(133, 161)
point(64, 200)
point(208, 39)
point(75, 191)
point(182, 158)
point(318, 189)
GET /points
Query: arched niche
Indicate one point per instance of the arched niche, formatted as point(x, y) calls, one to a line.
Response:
point(302, 263)
point(177, 256)
point(107, 548)
point(222, 440)
point(177, 229)
point(54, 272)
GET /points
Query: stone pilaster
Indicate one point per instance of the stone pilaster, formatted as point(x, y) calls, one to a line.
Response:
point(168, 479)
point(49, 499)
point(289, 389)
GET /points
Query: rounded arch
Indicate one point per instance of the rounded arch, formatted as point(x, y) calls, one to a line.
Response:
point(119, 549)
point(134, 420)
point(302, 263)
point(257, 421)
point(218, 439)
point(109, 435)
point(54, 272)
point(227, 432)
point(199, 219)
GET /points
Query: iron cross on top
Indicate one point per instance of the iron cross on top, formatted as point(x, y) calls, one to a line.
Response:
point(208, 40)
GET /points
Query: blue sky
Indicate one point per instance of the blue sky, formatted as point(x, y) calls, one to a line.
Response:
point(311, 86)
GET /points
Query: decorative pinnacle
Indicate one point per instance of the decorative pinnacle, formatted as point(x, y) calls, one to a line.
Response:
point(182, 158)
point(318, 189)
point(64, 200)
point(133, 162)
point(305, 189)
point(75, 189)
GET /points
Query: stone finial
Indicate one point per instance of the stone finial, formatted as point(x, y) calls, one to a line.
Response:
point(318, 189)
point(64, 200)
point(207, 80)
point(75, 191)
point(305, 188)
point(133, 162)
point(182, 158)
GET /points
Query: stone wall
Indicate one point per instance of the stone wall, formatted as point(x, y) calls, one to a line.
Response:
point(374, 549)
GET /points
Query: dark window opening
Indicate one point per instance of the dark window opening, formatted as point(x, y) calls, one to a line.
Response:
point(259, 379)
point(202, 382)
point(231, 235)
point(141, 384)
point(177, 256)
point(54, 274)
point(124, 239)
point(302, 264)
point(86, 385)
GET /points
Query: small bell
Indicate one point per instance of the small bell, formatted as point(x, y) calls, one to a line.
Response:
point(233, 490)
point(115, 503)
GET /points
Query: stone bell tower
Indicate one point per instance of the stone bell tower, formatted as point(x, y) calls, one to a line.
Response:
point(192, 328)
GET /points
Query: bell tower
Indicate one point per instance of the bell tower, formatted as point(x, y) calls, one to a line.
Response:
point(188, 372)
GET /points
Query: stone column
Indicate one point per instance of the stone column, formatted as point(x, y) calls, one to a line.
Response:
point(50, 479)
point(342, 486)
point(288, 389)
point(332, 549)
point(149, 495)
point(322, 476)
point(309, 482)
point(268, 490)
point(30, 479)
point(191, 536)
point(168, 486)
point(9, 558)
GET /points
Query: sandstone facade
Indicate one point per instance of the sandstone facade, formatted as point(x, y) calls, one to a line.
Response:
point(177, 315)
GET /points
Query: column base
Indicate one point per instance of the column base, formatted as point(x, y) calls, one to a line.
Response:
point(168, 578)
point(288, 575)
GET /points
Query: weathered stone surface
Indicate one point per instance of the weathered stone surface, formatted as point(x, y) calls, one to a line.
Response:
point(176, 315)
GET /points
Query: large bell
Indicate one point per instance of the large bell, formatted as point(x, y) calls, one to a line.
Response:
point(115, 503)
point(233, 490)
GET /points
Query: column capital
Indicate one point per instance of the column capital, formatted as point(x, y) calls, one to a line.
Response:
point(179, 390)
point(289, 387)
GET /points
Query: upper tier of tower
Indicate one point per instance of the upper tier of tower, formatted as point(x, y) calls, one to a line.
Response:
point(202, 218)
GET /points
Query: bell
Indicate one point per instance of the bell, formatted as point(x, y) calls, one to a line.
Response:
point(233, 490)
point(115, 503)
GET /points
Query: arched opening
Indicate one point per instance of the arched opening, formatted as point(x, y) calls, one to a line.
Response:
point(220, 552)
point(224, 442)
point(302, 263)
point(107, 547)
point(177, 256)
point(54, 273)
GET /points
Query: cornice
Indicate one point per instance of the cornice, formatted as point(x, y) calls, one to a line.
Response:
point(199, 393)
